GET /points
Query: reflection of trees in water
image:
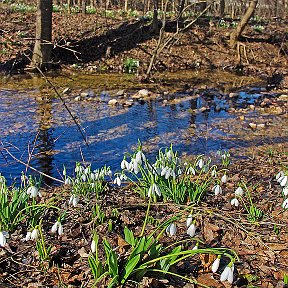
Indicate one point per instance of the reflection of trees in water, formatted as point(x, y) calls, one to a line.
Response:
point(44, 142)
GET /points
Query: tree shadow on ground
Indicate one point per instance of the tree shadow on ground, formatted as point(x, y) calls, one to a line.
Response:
point(115, 41)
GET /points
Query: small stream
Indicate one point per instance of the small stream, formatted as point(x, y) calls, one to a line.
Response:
point(36, 128)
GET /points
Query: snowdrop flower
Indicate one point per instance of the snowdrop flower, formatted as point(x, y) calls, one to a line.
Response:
point(283, 181)
point(68, 181)
point(83, 178)
point(74, 199)
point(164, 171)
point(140, 157)
point(195, 247)
point(171, 229)
point(28, 236)
point(239, 192)
point(215, 265)
point(279, 175)
point(234, 202)
point(117, 181)
point(191, 230)
point(78, 168)
point(87, 170)
point(64, 171)
point(285, 190)
point(169, 155)
point(34, 234)
point(214, 173)
point(189, 220)
point(93, 246)
point(285, 204)
point(191, 170)
point(217, 190)
point(55, 227)
point(2, 239)
point(224, 178)
point(200, 163)
point(154, 189)
point(33, 191)
point(124, 164)
point(123, 177)
point(227, 274)
point(60, 229)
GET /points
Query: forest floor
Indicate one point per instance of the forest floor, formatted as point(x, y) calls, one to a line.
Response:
point(100, 44)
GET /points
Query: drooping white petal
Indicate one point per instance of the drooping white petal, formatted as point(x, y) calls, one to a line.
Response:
point(215, 265)
point(164, 170)
point(200, 163)
point(284, 181)
point(191, 230)
point(124, 164)
point(285, 204)
point(93, 246)
point(239, 191)
point(156, 189)
point(28, 236)
point(71, 200)
point(55, 227)
point(224, 178)
point(171, 229)
point(189, 220)
point(2, 239)
point(34, 234)
point(285, 190)
point(68, 181)
point(217, 189)
point(60, 229)
point(279, 175)
point(75, 200)
point(195, 247)
point(33, 191)
point(230, 276)
point(224, 275)
point(214, 173)
point(117, 181)
point(234, 202)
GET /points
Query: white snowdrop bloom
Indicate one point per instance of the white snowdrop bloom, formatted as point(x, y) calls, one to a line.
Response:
point(64, 172)
point(168, 173)
point(214, 173)
point(217, 190)
point(33, 191)
point(154, 189)
point(74, 199)
point(224, 178)
point(239, 192)
point(2, 239)
point(172, 174)
point(60, 229)
point(285, 204)
point(87, 170)
point(55, 227)
point(92, 176)
point(195, 247)
point(83, 177)
point(191, 230)
point(224, 275)
point(124, 164)
point(285, 190)
point(28, 236)
point(93, 246)
point(179, 172)
point(109, 172)
point(215, 265)
point(230, 275)
point(34, 234)
point(117, 181)
point(191, 170)
point(200, 163)
point(234, 202)
point(79, 169)
point(123, 177)
point(284, 181)
point(164, 171)
point(189, 220)
point(171, 229)
point(68, 181)
point(169, 155)
point(279, 175)
point(140, 157)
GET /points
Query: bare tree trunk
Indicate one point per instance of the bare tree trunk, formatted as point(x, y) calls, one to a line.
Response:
point(43, 45)
point(69, 6)
point(235, 35)
point(222, 8)
point(83, 7)
point(155, 24)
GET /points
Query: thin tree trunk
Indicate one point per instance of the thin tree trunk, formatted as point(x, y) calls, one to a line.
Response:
point(155, 24)
point(43, 45)
point(235, 35)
